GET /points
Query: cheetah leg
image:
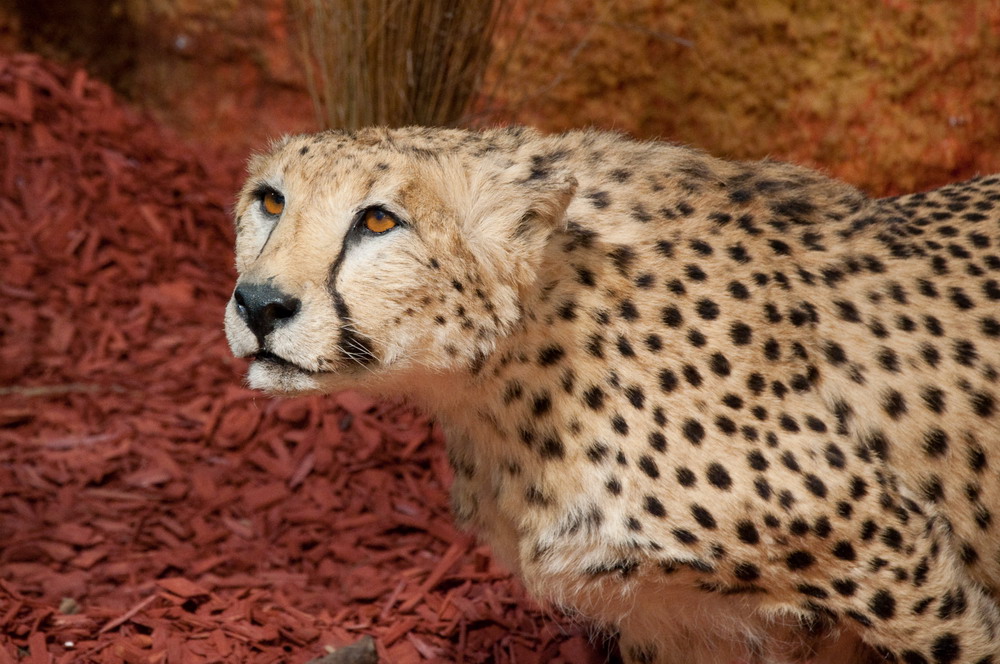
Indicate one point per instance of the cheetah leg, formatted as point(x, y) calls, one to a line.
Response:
point(926, 610)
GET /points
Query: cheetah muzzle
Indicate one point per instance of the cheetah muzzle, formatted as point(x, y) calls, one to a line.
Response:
point(732, 411)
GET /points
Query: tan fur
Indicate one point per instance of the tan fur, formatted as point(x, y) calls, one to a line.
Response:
point(734, 411)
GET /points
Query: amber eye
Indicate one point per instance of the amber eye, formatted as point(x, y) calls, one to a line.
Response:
point(378, 221)
point(273, 203)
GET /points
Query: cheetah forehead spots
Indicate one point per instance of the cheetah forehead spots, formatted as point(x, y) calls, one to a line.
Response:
point(669, 382)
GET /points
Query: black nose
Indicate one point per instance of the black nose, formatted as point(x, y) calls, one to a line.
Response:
point(263, 307)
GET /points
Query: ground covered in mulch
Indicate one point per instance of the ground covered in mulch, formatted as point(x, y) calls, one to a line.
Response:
point(151, 508)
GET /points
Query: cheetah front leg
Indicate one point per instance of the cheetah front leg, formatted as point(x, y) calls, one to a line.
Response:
point(922, 608)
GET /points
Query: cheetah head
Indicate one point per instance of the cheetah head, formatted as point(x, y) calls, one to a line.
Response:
point(386, 254)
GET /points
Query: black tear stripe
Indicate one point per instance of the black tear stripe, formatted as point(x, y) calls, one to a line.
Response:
point(354, 346)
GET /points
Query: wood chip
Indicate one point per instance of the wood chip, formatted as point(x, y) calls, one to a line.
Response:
point(187, 518)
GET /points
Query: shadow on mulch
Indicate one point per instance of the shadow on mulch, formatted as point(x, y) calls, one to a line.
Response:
point(153, 510)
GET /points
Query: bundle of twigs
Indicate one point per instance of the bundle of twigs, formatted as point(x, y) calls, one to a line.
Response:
point(394, 62)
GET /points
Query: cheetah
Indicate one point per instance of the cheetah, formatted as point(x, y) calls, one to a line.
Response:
point(734, 412)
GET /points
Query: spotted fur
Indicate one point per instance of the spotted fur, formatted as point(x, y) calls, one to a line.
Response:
point(736, 411)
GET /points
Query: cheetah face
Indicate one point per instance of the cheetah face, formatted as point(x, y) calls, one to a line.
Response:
point(382, 255)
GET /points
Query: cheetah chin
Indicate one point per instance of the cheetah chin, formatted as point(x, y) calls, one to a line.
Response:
point(730, 411)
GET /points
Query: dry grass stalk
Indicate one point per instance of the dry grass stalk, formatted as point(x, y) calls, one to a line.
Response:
point(394, 62)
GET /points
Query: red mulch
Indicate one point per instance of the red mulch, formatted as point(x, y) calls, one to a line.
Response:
point(151, 508)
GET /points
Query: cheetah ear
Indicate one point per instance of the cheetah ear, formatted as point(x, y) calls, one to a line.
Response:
point(515, 210)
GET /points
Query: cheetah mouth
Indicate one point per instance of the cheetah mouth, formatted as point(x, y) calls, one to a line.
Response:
point(268, 358)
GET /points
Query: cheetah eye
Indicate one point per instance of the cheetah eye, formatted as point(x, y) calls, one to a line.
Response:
point(378, 221)
point(272, 202)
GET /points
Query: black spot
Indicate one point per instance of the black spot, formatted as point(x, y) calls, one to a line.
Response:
point(655, 507)
point(694, 431)
point(883, 604)
point(707, 309)
point(747, 532)
point(946, 649)
point(684, 536)
point(549, 355)
point(894, 404)
point(718, 476)
point(834, 352)
point(619, 424)
point(779, 247)
point(935, 442)
point(585, 276)
point(686, 477)
point(671, 317)
point(732, 401)
point(960, 299)
point(594, 398)
point(648, 466)
point(788, 423)
point(844, 550)
point(933, 398)
point(845, 587)
point(757, 461)
point(599, 199)
point(739, 254)
point(720, 365)
point(658, 441)
point(567, 311)
point(983, 404)
point(695, 273)
point(595, 346)
point(740, 333)
point(738, 290)
point(625, 347)
point(668, 380)
point(812, 591)
point(696, 338)
point(622, 257)
point(654, 343)
point(835, 456)
point(815, 486)
point(597, 452)
point(798, 527)
point(541, 405)
point(692, 375)
point(665, 248)
point(892, 538)
point(627, 310)
point(847, 311)
point(746, 572)
point(703, 517)
point(797, 560)
point(614, 486)
point(990, 327)
point(552, 448)
point(965, 352)
point(635, 396)
point(888, 360)
point(815, 424)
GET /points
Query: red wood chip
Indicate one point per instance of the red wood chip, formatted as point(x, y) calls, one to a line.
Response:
point(181, 587)
point(153, 510)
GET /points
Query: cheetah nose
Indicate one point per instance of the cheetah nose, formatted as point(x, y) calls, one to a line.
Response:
point(263, 307)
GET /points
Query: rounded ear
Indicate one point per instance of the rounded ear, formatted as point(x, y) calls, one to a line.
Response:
point(515, 209)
